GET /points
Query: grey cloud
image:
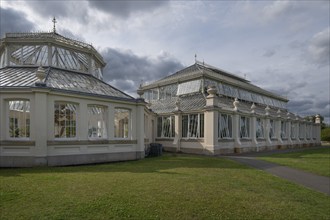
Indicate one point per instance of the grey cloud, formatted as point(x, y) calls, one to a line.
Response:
point(126, 8)
point(73, 10)
point(276, 9)
point(52, 8)
point(126, 70)
point(269, 53)
point(319, 48)
point(310, 107)
point(13, 21)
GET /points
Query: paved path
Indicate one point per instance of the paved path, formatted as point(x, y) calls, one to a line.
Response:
point(313, 181)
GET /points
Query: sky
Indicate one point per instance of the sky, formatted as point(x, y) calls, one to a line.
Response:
point(281, 46)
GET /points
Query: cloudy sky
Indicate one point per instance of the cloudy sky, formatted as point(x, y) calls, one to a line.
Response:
point(281, 46)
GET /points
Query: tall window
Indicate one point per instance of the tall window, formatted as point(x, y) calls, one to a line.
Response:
point(19, 119)
point(65, 115)
point(122, 123)
point(166, 127)
point(293, 131)
point(308, 131)
point(314, 128)
point(193, 126)
point(260, 128)
point(244, 127)
point(301, 130)
point(97, 122)
point(225, 126)
point(271, 129)
point(146, 127)
point(284, 129)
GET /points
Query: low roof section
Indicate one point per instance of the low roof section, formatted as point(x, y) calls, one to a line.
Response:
point(62, 80)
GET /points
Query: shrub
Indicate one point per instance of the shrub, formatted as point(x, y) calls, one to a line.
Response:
point(325, 134)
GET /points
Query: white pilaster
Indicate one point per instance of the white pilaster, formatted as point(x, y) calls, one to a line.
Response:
point(140, 128)
point(40, 127)
point(178, 130)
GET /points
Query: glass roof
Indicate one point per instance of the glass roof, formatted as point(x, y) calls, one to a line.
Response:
point(59, 79)
point(189, 87)
point(50, 49)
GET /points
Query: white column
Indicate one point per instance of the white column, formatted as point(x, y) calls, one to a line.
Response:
point(140, 129)
point(40, 127)
point(211, 121)
point(254, 131)
point(211, 130)
point(178, 130)
point(82, 122)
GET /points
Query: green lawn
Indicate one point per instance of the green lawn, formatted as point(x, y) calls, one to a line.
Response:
point(167, 187)
point(312, 160)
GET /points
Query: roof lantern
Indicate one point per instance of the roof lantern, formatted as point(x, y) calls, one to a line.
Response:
point(50, 49)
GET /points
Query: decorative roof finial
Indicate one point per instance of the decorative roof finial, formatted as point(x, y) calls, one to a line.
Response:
point(195, 58)
point(54, 21)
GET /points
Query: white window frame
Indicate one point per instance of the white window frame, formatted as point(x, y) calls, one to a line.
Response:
point(293, 131)
point(75, 106)
point(260, 128)
point(129, 122)
point(166, 130)
point(99, 113)
point(301, 130)
point(272, 129)
point(25, 109)
point(199, 127)
point(244, 127)
point(284, 129)
point(225, 126)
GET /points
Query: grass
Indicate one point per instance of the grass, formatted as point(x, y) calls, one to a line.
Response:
point(167, 187)
point(316, 161)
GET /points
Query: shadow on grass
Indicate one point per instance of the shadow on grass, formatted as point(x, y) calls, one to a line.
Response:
point(161, 165)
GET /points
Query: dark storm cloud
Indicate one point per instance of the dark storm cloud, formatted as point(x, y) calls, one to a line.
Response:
point(13, 21)
point(310, 107)
point(125, 8)
point(126, 70)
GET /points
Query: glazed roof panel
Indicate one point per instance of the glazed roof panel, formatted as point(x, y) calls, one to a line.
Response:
point(59, 79)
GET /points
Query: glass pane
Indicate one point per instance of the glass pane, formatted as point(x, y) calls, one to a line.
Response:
point(122, 124)
point(97, 122)
point(185, 126)
point(189, 87)
point(64, 120)
point(19, 119)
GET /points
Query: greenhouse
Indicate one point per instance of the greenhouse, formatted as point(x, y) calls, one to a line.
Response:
point(205, 110)
point(57, 110)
